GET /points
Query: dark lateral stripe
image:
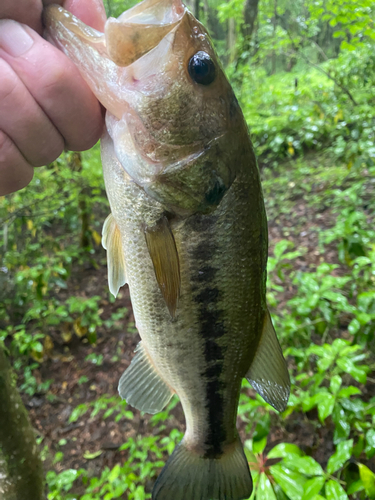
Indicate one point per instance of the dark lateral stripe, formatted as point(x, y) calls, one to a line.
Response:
point(214, 370)
point(216, 432)
point(207, 297)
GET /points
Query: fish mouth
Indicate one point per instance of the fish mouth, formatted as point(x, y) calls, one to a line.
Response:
point(141, 28)
point(127, 38)
point(122, 62)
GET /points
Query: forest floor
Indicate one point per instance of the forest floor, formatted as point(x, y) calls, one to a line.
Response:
point(77, 380)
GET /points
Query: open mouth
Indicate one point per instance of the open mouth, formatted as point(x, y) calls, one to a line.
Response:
point(127, 38)
point(140, 29)
point(119, 61)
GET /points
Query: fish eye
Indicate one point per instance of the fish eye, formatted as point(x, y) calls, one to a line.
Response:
point(202, 68)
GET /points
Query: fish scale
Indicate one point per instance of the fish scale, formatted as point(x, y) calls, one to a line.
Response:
point(187, 232)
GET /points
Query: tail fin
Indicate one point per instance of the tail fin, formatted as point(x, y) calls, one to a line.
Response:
point(188, 476)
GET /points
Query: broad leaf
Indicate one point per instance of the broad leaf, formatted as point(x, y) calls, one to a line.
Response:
point(370, 443)
point(346, 392)
point(285, 449)
point(357, 372)
point(342, 426)
point(303, 465)
point(291, 482)
point(325, 406)
point(335, 384)
point(335, 492)
point(312, 487)
point(368, 480)
point(342, 454)
point(265, 490)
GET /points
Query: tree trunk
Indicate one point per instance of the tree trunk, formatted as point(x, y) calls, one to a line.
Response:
point(273, 70)
point(21, 470)
point(250, 13)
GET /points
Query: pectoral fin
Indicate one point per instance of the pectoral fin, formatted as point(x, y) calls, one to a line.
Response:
point(142, 386)
point(268, 373)
point(164, 256)
point(111, 241)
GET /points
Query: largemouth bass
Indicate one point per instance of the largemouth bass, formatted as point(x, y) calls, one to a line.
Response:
point(187, 232)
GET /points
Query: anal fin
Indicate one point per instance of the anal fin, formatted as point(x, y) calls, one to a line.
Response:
point(268, 373)
point(111, 241)
point(141, 386)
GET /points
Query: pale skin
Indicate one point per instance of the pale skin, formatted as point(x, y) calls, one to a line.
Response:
point(45, 105)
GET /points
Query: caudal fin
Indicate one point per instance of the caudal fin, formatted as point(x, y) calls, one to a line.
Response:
point(188, 476)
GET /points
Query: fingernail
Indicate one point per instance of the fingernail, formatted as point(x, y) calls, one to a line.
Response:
point(13, 38)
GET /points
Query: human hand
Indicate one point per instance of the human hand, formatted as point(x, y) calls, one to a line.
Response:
point(45, 105)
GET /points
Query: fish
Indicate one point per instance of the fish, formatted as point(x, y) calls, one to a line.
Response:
point(187, 232)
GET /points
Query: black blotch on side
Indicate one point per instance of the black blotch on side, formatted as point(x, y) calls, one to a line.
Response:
point(212, 351)
point(214, 370)
point(215, 194)
point(201, 223)
point(216, 432)
point(212, 328)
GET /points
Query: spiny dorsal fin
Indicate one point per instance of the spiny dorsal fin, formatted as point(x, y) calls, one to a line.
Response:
point(111, 241)
point(142, 386)
point(268, 373)
point(164, 256)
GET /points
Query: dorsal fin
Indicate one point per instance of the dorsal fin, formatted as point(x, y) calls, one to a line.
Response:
point(164, 256)
point(268, 373)
point(111, 241)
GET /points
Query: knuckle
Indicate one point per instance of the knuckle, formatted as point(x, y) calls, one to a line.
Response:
point(9, 82)
point(50, 153)
point(56, 79)
point(5, 147)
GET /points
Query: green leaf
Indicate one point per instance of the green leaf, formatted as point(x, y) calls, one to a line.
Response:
point(310, 401)
point(90, 456)
point(346, 392)
point(342, 426)
point(291, 482)
point(312, 487)
point(358, 448)
point(78, 412)
point(265, 490)
point(335, 384)
point(303, 465)
point(258, 446)
point(285, 449)
point(354, 326)
point(368, 480)
point(342, 454)
point(357, 372)
point(370, 443)
point(325, 406)
point(334, 491)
